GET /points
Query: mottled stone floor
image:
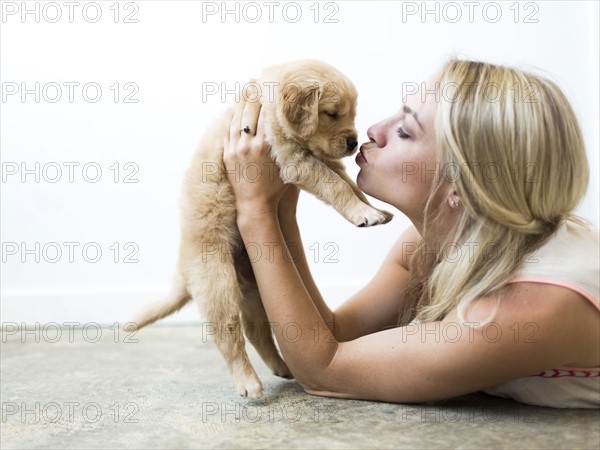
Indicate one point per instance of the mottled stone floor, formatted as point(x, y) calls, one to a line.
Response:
point(171, 390)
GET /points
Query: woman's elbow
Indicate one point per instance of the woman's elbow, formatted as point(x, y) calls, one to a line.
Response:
point(318, 375)
point(321, 392)
point(320, 385)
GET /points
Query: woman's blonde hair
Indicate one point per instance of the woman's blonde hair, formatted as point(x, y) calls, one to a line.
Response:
point(509, 144)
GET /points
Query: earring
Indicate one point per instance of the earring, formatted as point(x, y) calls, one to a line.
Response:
point(454, 202)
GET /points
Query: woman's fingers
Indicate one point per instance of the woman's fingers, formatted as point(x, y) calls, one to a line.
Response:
point(234, 131)
point(251, 110)
point(260, 125)
point(246, 137)
point(248, 153)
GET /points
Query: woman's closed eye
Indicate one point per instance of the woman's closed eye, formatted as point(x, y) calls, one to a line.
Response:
point(401, 133)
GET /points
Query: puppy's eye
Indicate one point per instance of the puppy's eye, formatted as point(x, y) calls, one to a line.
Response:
point(332, 114)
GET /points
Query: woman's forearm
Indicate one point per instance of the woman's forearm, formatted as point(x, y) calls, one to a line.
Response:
point(306, 342)
point(291, 234)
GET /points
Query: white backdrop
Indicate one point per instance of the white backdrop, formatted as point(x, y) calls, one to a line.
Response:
point(102, 108)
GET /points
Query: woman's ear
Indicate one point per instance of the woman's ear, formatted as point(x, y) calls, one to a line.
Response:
point(454, 200)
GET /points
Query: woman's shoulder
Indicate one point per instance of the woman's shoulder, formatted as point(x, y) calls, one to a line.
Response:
point(404, 247)
point(546, 316)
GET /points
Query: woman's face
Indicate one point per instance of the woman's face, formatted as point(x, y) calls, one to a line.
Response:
point(398, 163)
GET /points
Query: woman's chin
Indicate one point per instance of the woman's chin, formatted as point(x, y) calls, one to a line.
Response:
point(364, 185)
point(370, 190)
point(360, 182)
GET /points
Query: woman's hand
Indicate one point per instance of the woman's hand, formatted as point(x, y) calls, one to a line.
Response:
point(253, 174)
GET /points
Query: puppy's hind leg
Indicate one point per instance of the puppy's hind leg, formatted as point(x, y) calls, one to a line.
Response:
point(214, 286)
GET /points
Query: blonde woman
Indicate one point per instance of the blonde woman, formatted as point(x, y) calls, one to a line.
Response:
point(493, 288)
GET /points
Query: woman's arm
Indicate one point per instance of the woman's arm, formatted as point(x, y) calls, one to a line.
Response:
point(531, 332)
point(286, 215)
point(375, 307)
point(307, 344)
point(357, 316)
point(535, 329)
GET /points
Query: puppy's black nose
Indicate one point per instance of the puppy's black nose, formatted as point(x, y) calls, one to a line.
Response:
point(351, 143)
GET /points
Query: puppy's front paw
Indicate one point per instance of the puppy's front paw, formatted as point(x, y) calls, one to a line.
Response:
point(367, 216)
point(388, 215)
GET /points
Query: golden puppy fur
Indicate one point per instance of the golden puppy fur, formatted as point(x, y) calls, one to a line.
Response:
point(309, 124)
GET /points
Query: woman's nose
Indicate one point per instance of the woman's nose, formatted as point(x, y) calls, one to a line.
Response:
point(376, 133)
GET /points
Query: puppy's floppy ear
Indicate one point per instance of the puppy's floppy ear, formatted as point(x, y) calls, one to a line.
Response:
point(300, 106)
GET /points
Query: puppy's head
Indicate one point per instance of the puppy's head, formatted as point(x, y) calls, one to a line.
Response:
point(315, 106)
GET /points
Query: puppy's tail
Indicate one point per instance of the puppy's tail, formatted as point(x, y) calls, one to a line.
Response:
point(178, 297)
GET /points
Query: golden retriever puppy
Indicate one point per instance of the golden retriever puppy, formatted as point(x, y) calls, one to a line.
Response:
point(310, 109)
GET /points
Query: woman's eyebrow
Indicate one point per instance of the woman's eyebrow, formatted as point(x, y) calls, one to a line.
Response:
point(407, 110)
